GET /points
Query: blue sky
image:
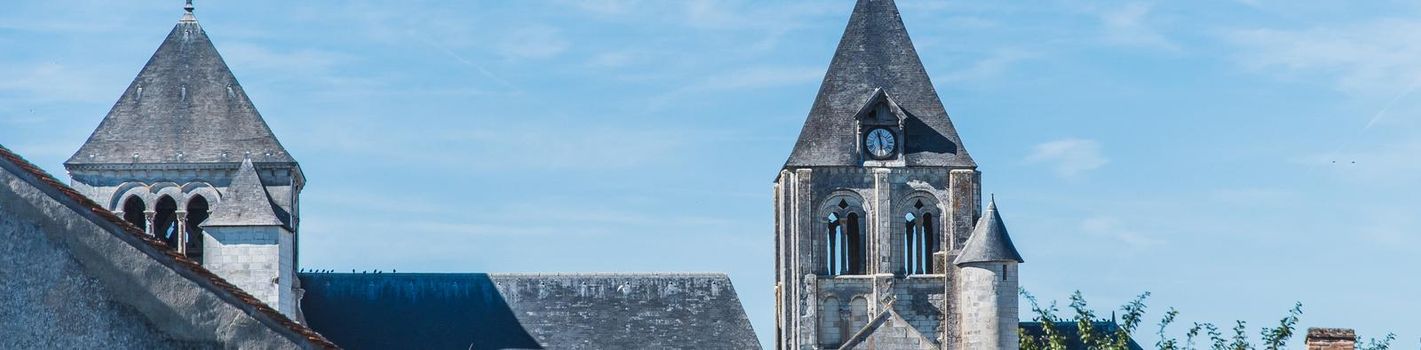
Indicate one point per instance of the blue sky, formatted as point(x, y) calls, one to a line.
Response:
point(1229, 156)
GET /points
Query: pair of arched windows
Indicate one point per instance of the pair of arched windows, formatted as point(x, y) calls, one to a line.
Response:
point(181, 230)
point(837, 323)
point(921, 238)
point(845, 247)
point(844, 242)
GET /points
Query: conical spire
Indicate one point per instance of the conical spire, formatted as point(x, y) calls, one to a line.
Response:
point(876, 54)
point(989, 241)
point(185, 106)
point(245, 203)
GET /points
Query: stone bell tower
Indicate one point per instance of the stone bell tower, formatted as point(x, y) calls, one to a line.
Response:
point(168, 155)
point(876, 208)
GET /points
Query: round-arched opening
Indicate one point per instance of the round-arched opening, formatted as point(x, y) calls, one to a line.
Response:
point(196, 213)
point(133, 208)
point(165, 222)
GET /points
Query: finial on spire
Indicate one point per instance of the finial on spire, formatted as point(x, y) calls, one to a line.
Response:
point(187, 15)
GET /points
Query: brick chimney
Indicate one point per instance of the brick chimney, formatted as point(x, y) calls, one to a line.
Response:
point(1331, 339)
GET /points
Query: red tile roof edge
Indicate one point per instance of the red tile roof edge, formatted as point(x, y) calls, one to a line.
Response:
point(168, 257)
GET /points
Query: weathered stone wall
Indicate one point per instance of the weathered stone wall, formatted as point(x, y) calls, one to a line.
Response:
point(49, 302)
point(257, 259)
point(988, 306)
point(76, 283)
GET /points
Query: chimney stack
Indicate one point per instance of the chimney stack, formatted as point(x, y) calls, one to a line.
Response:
point(1331, 339)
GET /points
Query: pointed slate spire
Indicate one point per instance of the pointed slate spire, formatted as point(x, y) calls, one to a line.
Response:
point(875, 53)
point(989, 241)
point(185, 106)
point(245, 203)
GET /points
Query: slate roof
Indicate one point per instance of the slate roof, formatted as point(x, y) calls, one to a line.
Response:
point(159, 250)
point(527, 311)
point(875, 53)
point(989, 241)
point(246, 202)
point(185, 106)
point(1072, 333)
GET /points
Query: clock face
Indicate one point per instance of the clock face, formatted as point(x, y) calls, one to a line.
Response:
point(880, 143)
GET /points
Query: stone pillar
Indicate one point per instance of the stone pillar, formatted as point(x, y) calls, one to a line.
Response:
point(1331, 339)
point(148, 217)
point(965, 196)
point(182, 231)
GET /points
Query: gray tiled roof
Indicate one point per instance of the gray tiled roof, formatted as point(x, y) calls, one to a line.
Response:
point(875, 53)
point(989, 241)
point(185, 106)
point(245, 203)
point(522, 311)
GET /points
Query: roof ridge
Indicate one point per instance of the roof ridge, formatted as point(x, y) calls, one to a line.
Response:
point(158, 249)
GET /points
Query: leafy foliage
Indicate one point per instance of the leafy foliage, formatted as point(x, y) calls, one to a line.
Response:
point(1115, 335)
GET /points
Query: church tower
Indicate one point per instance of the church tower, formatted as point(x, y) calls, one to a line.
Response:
point(880, 238)
point(184, 147)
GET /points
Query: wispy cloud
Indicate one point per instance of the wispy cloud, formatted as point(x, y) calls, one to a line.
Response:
point(1070, 157)
point(1114, 228)
point(1131, 25)
point(533, 42)
point(53, 82)
point(1378, 57)
point(992, 66)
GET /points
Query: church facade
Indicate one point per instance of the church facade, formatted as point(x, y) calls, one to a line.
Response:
point(881, 240)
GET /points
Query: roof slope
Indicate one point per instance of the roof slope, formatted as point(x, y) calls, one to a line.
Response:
point(185, 106)
point(172, 291)
point(245, 203)
point(558, 311)
point(989, 241)
point(875, 53)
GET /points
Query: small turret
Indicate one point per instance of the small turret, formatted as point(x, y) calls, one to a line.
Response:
point(987, 285)
point(249, 246)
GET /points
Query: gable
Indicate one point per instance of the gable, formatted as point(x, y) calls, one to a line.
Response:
point(139, 277)
point(889, 331)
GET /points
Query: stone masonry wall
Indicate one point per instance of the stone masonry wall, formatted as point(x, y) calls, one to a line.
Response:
point(252, 258)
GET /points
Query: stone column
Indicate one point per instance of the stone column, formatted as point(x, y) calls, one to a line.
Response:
point(148, 219)
point(182, 231)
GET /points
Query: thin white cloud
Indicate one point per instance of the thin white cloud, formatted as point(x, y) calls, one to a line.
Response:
point(991, 67)
point(533, 42)
point(1378, 57)
point(1131, 25)
point(1114, 228)
point(53, 82)
point(1069, 157)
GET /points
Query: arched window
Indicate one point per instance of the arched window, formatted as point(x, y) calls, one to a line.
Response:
point(165, 222)
point(830, 319)
point(133, 209)
point(196, 214)
point(844, 246)
point(858, 314)
point(920, 239)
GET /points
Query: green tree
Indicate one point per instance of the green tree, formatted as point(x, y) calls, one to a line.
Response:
point(1200, 335)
